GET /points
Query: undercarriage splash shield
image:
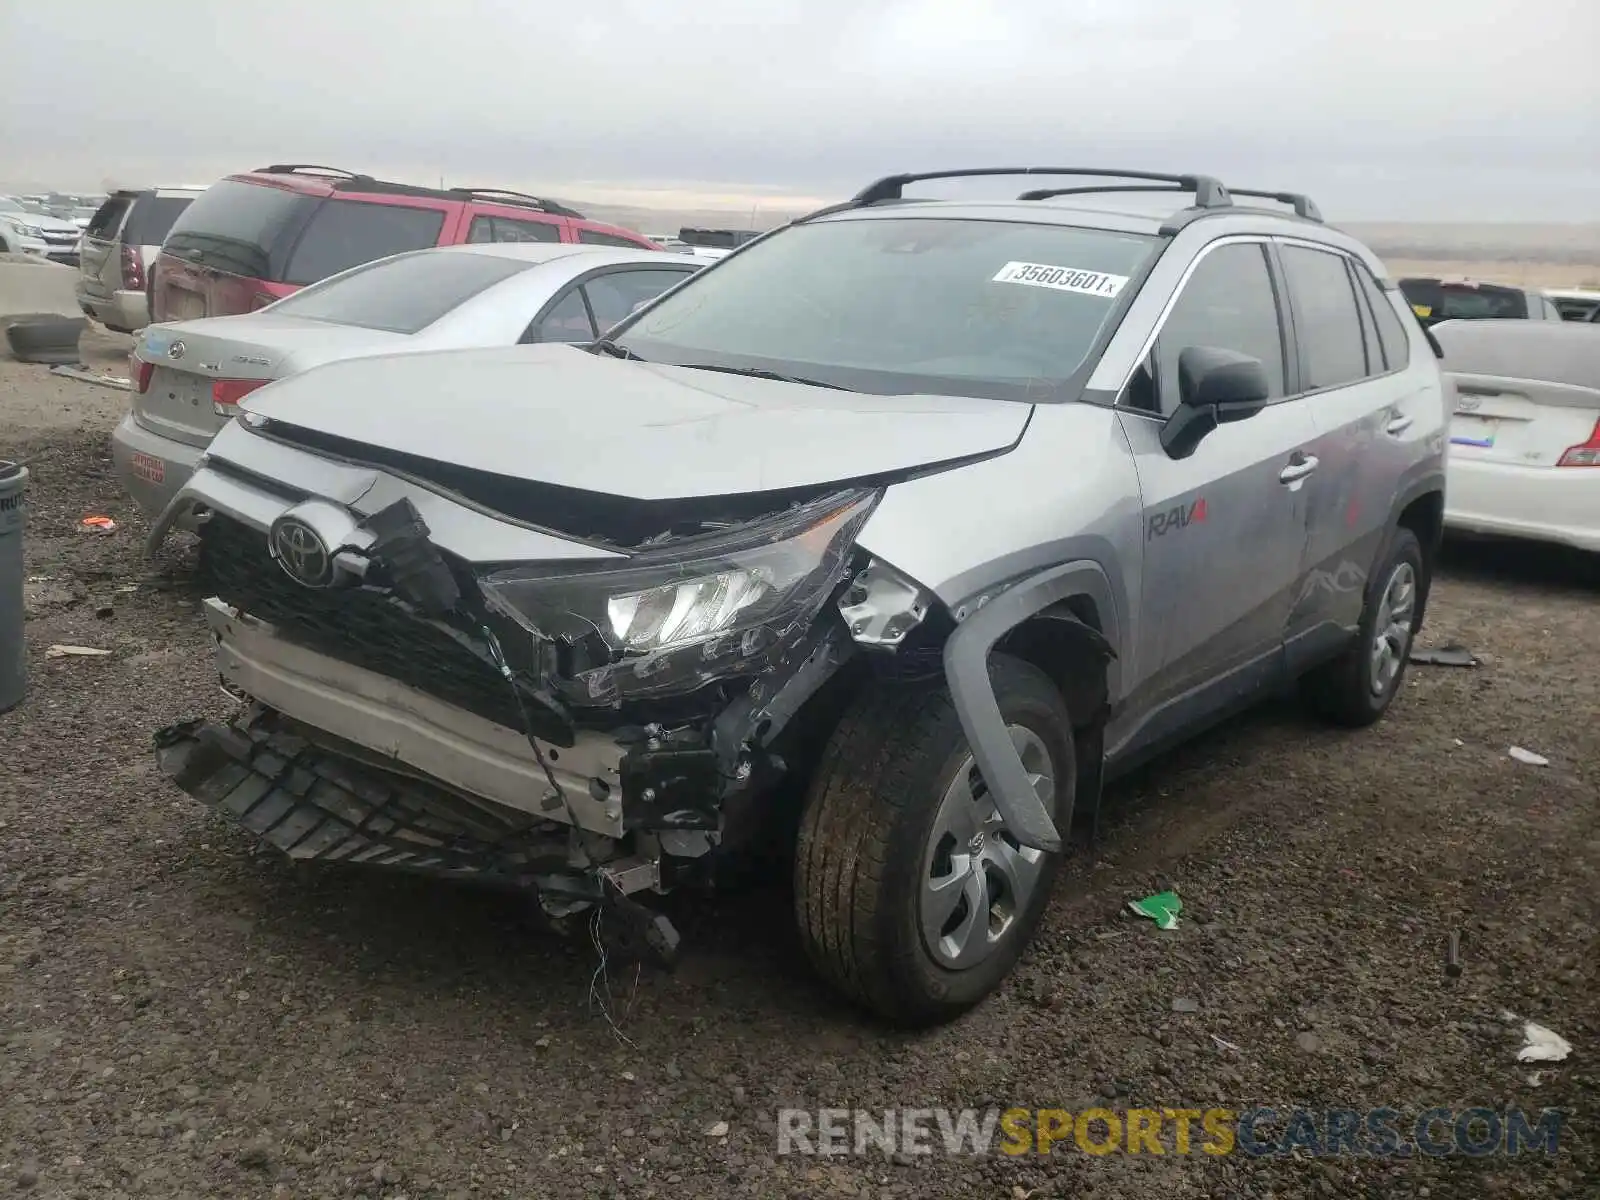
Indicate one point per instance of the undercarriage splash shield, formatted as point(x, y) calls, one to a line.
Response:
point(317, 805)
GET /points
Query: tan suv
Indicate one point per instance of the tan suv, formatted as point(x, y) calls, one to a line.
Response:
point(122, 241)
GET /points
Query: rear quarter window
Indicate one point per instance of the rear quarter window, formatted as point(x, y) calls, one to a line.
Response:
point(401, 295)
point(347, 233)
point(108, 217)
point(1391, 334)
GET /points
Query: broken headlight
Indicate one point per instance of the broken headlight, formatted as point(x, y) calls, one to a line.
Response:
point(669, 619)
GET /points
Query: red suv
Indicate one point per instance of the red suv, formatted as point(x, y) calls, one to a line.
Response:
point(256, 237)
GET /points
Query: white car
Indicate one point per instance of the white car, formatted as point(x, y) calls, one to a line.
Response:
point(24, 230)
point(1525, 437)
point(189, 376)
point(1576, 304)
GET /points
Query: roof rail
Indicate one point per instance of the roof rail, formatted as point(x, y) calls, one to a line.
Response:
point(521, 199)
point(306, 169)
point(1052, 193)
point(1209, 192)
point(1304, 207)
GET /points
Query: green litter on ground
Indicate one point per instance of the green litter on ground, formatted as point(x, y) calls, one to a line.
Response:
point(1162, 908)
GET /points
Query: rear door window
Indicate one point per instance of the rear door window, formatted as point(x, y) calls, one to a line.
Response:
point(108, 218)
point(508, 229)
point(616, 295)
point(347, 233)
point(153, 218)
point(1327, 324)
point(404, 294)
point(241, 228)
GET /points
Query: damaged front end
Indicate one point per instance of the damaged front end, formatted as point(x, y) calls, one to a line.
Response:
point(587, 719)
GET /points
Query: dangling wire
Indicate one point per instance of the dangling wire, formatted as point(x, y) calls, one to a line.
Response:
point(600, 982)
point(527, 721)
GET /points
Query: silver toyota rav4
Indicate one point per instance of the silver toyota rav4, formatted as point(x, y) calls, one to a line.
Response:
point(880, 544)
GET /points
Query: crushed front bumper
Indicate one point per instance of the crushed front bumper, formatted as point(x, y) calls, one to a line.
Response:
point(329, 761)
point(417, 732)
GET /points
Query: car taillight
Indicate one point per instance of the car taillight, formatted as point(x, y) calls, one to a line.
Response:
point(1584, 454)
point(140, 371)
point(226, 393)
point(132, 269)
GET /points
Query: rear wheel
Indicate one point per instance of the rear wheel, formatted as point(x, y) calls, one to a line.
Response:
point(1357, 688)
point(912, 896)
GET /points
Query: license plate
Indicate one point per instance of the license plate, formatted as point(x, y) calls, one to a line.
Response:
point(1473, 431)
point(187, 306)
point(148, 467)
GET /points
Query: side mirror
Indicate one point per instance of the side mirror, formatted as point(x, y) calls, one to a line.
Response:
point(1215, 387)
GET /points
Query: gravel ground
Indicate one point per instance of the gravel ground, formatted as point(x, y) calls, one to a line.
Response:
point(182, 1016)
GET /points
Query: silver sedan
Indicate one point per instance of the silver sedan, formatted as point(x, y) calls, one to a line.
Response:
point(189, 376)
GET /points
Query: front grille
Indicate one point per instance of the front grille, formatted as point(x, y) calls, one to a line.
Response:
point(362, 627)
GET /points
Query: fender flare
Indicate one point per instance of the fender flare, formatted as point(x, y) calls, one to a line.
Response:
point(966, 667)
point(1413, 486)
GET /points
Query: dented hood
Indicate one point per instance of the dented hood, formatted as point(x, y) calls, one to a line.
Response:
point(559, 415)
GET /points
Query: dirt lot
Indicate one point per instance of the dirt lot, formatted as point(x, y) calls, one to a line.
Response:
point(181, 1016)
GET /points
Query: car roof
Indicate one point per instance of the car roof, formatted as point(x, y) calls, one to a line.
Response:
point(313, 180)
point(1214, 207)
point(159, 189)
point(1234, 219)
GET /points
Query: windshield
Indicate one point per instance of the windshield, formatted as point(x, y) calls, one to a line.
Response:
point(9, 205)
point(902, 304)
point(402, 294)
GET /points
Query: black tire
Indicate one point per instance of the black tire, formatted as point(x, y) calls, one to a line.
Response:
point(868, 821)
point(1344, 691)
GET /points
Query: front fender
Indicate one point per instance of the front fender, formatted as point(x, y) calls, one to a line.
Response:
point(966, 664)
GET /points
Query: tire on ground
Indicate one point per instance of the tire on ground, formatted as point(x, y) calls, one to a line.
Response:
point(859, 858)
point(1341, 691)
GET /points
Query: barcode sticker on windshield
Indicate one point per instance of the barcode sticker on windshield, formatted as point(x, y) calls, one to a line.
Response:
point(1062, 279)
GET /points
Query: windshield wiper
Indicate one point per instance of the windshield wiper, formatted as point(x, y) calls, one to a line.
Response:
point(763, 373)
point(607, 347)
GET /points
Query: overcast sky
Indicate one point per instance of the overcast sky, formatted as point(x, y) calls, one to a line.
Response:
point(1381, 109)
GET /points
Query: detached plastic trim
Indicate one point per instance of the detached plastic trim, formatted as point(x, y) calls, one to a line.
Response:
point(966, 666)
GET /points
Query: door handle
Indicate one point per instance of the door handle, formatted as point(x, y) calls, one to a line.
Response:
point(1299, 467)
point(1398, 425)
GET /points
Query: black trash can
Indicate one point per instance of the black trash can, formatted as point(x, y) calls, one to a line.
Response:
point(13, 653)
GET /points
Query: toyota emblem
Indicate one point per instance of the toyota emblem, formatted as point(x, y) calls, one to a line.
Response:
point(176, 349)
point(301, 552)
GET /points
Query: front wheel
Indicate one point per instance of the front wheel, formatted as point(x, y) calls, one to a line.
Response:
point(1357, 688)
point(913, 898)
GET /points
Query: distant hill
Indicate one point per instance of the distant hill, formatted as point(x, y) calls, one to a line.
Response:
point(1576, 245)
